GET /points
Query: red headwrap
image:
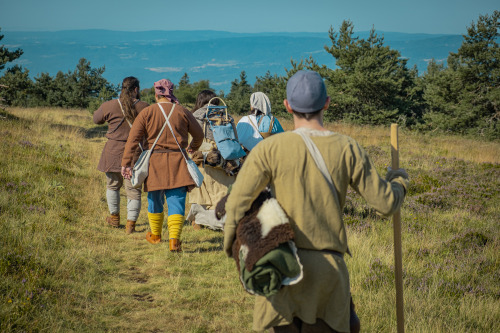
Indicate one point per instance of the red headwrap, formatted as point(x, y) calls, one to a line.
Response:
point(165, 88)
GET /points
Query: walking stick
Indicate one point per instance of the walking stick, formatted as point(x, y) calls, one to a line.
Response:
point(396, 221)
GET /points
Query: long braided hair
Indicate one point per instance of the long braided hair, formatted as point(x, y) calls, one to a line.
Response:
point(128, 97)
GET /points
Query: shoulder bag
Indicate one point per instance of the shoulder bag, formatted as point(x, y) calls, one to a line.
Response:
point(269, 131)
point(195, 173)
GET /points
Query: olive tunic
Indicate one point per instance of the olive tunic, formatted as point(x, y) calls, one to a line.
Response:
point(315, 215)
point(167, 168)
point(118, 132)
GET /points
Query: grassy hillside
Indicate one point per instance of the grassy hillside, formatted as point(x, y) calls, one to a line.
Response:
point(63, 269)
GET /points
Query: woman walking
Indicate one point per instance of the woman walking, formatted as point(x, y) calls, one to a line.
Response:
point(120, 115)
point(168, 176)
point(259, 123)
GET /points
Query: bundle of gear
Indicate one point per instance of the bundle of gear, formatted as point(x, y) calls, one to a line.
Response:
point(226, 152)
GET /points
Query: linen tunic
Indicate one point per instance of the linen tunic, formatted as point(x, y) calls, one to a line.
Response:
point(167, 167)
point(315, 214)
point(249, 136)
point(118, 131)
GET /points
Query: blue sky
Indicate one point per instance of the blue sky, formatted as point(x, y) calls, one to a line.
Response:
point(411, 16)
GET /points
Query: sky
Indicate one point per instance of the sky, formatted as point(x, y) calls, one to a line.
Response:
point(409, 16)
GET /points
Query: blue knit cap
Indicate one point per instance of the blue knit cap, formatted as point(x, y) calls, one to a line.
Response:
point(306, 92)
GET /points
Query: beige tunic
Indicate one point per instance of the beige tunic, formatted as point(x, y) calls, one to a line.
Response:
point(167, 168)
point(215, 181)
point(214, 187)
point(118, 131)
point(316, 218)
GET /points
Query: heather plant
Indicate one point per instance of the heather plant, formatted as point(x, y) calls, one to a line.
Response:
point(63, 269)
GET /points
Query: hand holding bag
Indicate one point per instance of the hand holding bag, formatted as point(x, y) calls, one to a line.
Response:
point(191, 166)
point(141, 167)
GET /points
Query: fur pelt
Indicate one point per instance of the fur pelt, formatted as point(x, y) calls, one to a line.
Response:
point(197, 157)
point(264, 227)
point(214, 159)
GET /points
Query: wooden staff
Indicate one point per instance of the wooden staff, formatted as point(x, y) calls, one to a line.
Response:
point(398, 255)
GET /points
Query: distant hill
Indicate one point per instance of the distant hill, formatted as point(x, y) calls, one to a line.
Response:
point(217, 56)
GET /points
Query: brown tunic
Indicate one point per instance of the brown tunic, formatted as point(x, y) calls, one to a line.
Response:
point(118, 131)
point(167, 168)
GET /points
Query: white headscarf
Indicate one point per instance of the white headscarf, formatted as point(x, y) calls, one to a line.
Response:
point(260, 101)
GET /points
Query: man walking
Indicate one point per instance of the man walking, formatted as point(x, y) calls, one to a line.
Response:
point(314, 202)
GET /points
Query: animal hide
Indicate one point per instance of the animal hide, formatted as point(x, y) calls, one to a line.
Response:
point(214, 159)
point(264, 228)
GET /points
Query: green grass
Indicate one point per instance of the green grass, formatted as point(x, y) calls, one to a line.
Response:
point(64, 270)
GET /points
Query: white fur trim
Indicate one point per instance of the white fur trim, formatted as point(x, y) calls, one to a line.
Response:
point(288, 281)
point(244, 252)
point(270, 215)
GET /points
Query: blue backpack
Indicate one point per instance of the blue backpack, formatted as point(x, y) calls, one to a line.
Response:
point(224, 132)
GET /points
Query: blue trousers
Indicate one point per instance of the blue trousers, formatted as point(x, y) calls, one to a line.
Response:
point(176, 201)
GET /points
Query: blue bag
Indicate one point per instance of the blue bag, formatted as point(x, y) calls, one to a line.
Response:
point(224, 132)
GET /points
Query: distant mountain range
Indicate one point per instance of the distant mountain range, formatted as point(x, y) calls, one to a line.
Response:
point(216, 56)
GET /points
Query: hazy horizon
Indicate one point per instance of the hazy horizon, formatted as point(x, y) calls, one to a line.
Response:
point(424, 16)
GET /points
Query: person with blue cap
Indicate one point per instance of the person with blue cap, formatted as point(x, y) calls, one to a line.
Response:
point(309, 171)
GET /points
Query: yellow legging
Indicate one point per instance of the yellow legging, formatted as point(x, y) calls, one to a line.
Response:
point(174, 224)
point(156, 222)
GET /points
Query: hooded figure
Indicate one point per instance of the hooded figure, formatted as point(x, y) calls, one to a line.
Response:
point(259, 123)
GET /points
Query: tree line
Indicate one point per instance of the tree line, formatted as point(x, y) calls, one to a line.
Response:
point(370, 84)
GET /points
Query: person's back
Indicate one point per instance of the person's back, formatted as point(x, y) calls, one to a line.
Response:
point(301, 189)
point(216, 179)
point(120, 114)
point(168, 176)
point(110, 112)
point(259, 123)
point(322, 299)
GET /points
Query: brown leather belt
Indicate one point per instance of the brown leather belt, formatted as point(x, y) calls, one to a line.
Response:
point(166, 151)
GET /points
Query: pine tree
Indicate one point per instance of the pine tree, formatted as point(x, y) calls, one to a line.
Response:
point(6, 55)
point(465, 96)
point(187, 92)
point(371, 83)
point(274, 87)
point(86, 84)
point(18, 86)
point(44, 91)
point(238, 99)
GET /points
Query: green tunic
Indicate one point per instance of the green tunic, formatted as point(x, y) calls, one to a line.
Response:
point(284, 162)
